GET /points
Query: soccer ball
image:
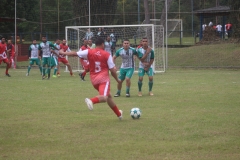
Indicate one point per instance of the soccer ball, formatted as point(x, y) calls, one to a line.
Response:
point(135, 113)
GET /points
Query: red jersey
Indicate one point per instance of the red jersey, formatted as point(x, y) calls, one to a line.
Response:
point(100, 61)
point(84, 48)
point(12, 50)
point(3, 48)
point(83, 61)
point(65, 48)
point(228, 26)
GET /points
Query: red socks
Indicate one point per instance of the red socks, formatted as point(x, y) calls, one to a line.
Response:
point(94, 100)
point(116, 111)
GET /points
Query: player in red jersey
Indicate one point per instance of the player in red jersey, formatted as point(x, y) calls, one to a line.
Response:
point(11, 52)
point(4, 55)
point(84, 62)
point(140, 45)
point(62, 58)
point(100, 62)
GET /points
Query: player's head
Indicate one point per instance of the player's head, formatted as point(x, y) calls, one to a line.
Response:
point(90, 41)
point(44, 38)
point(99, 43)
point(9, 41)
point(64, 41)
point(57, 41)
point(34, 41)
point(126, 44)
point(85, 42)
point(3, 40)
point(140, 42)
point(144, 42)
point(108, 38)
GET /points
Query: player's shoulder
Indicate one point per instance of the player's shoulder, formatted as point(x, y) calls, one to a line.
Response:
point(120, 49)
point(131, 48)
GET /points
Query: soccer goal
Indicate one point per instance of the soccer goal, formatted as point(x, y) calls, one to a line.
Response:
point(155, 33)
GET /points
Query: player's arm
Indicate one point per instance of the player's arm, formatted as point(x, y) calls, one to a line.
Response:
point(148, 51)
point(29, 52)
point(115, 56)
point(81, 54)
point(112, 69)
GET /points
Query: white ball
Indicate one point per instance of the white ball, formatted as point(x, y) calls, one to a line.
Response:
point(135, 113)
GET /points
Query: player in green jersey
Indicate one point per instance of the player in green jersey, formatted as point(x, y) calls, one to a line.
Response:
point(45, 46)
point(34, 56)
point(146, 57)
point(127, 54)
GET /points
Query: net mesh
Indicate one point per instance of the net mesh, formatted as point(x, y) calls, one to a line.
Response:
point(76, 34)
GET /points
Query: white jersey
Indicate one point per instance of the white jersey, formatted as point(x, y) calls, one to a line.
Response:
point(46, 48)
point(107, 47)
point(34, 50)
point(55, 50)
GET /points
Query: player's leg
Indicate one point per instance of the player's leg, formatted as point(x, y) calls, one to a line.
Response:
point(113, 106)
point(49, 66)
point(58, 67)
point(128, 80)
point(44, 64)
point(150, 82)
point(31, 62)
point(54, 64)
point(141, 73)
point(37, 61)
point(70, 69)
point(8, 65)
point(121, 76)
point(104, 96)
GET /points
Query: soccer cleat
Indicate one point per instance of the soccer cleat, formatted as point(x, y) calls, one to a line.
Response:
point(120, 117)
point(89, 103)
point(72, 75)
point(58, 75)
point(140, 94)
point(81, 76)
point(43, 77)
point(54, 76)
point(117, 95)
point(8, 75)
point(127, 95)
point(151, 94)
point(27, 74)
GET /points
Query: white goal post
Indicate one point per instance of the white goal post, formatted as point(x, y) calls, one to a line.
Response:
point(155, 34)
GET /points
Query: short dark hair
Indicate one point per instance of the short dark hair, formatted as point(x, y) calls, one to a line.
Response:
point(99, 41)
point(126, 39)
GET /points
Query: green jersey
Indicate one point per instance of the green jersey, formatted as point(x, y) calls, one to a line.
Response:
point(55, 50)
point(33, 50)
point(46, 48)
point(150, 56)
point(127, 57)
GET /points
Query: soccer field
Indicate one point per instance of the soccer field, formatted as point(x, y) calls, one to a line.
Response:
point(194, 114)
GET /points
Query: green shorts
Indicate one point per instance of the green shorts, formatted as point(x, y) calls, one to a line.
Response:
point(34, 60)
point(46, 61)
point(141, 72)
point(54, 61)
point(125, 73)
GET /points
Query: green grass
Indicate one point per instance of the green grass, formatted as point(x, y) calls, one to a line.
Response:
point(194, 114)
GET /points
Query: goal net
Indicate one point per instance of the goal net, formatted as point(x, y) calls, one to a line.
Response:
point(174, 26)
point(155, 34)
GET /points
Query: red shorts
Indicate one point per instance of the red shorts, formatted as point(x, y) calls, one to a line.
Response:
point(63, 60)
point(85, 64)
point(4, 60)
point(103, 88)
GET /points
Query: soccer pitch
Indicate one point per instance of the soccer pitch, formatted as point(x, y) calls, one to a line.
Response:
point(194, 114)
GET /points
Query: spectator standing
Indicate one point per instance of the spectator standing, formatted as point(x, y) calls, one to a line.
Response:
point(88, 35)
point(229, 29)
point(219, 29)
